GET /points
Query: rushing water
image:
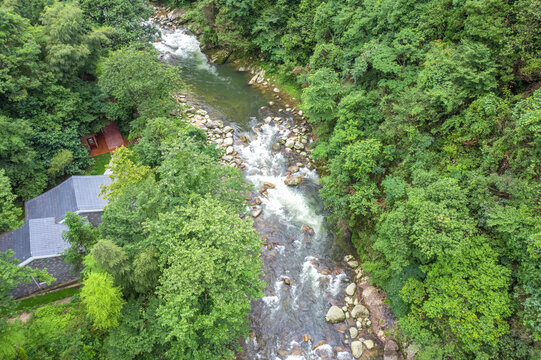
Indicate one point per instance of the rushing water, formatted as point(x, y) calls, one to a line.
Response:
point(311, 264)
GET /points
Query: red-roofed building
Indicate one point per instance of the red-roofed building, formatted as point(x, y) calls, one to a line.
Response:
point(105, 141)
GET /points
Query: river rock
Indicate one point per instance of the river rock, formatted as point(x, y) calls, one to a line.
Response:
point(353, 332)
point(335, 315)
point(228, 141)
point(359, 311)
point(229, 150)
point(299, 145)
point(287, 281)
point(357, 349)
point(350, 289)
point(369, 344)
point(256, 212)
point(228, 129)
point(353, 264)
point(276, 146)
point(257, 200)
point(293, 180)
point(269, 185)
point(290, 143)
point(307, 229)
point(293, 169)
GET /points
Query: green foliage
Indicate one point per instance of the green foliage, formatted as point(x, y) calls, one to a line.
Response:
point(432, 221)
point(81, 235)
point(138, 334)
point(213, 275)
point(18, 59)
point(140, 86)
point(12, 276)
point(60, 331)
point(59, 162)
point(319, 99)
point(30, 9)
point(102, 300)
point(124, 16)
point(10, 214)
point(463, 300)
point(71, 47)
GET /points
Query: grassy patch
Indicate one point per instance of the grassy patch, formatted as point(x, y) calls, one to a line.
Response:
point(40, 300)
point(284, 81)
point(100, 162)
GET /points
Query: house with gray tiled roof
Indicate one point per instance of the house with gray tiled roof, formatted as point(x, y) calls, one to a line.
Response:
point(38, 243)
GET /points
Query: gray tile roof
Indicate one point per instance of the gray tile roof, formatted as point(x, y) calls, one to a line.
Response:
point(78, 193)
point(36, 238)
point(18, 241)
point(46, 237)
point(87, 190)
point(41, 234)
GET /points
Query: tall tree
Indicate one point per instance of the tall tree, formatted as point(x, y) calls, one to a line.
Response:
point(81, 235)
point(10, 215)
point(102, 300)
point(212, 277)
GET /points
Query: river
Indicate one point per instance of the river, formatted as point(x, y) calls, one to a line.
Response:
point(304, 271)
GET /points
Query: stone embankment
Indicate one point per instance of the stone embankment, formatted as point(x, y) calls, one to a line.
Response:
point(364, 318)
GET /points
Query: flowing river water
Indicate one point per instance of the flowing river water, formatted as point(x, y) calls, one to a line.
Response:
point(304, 271)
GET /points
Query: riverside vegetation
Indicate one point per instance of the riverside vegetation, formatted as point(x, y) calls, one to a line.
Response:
point(428, 118)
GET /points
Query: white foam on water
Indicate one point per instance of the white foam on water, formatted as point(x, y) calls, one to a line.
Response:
point(343, 355)
point(283, 201)
point(323, 349)
point(311, 276)
point(183, 45)
point(335, 284)
point(271, 301)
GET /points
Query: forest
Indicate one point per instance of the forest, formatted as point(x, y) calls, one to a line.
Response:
point(427, 120)
point(428, 124)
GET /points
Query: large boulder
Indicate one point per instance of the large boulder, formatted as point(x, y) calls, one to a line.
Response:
point(293, 180)
point(357, 349)
point(350, 289)
point(359, 311)
point(335, 315)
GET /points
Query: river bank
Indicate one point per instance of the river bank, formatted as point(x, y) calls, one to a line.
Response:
point(318, 302)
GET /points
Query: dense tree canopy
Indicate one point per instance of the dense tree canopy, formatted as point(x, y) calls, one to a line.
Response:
point(428, 123)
